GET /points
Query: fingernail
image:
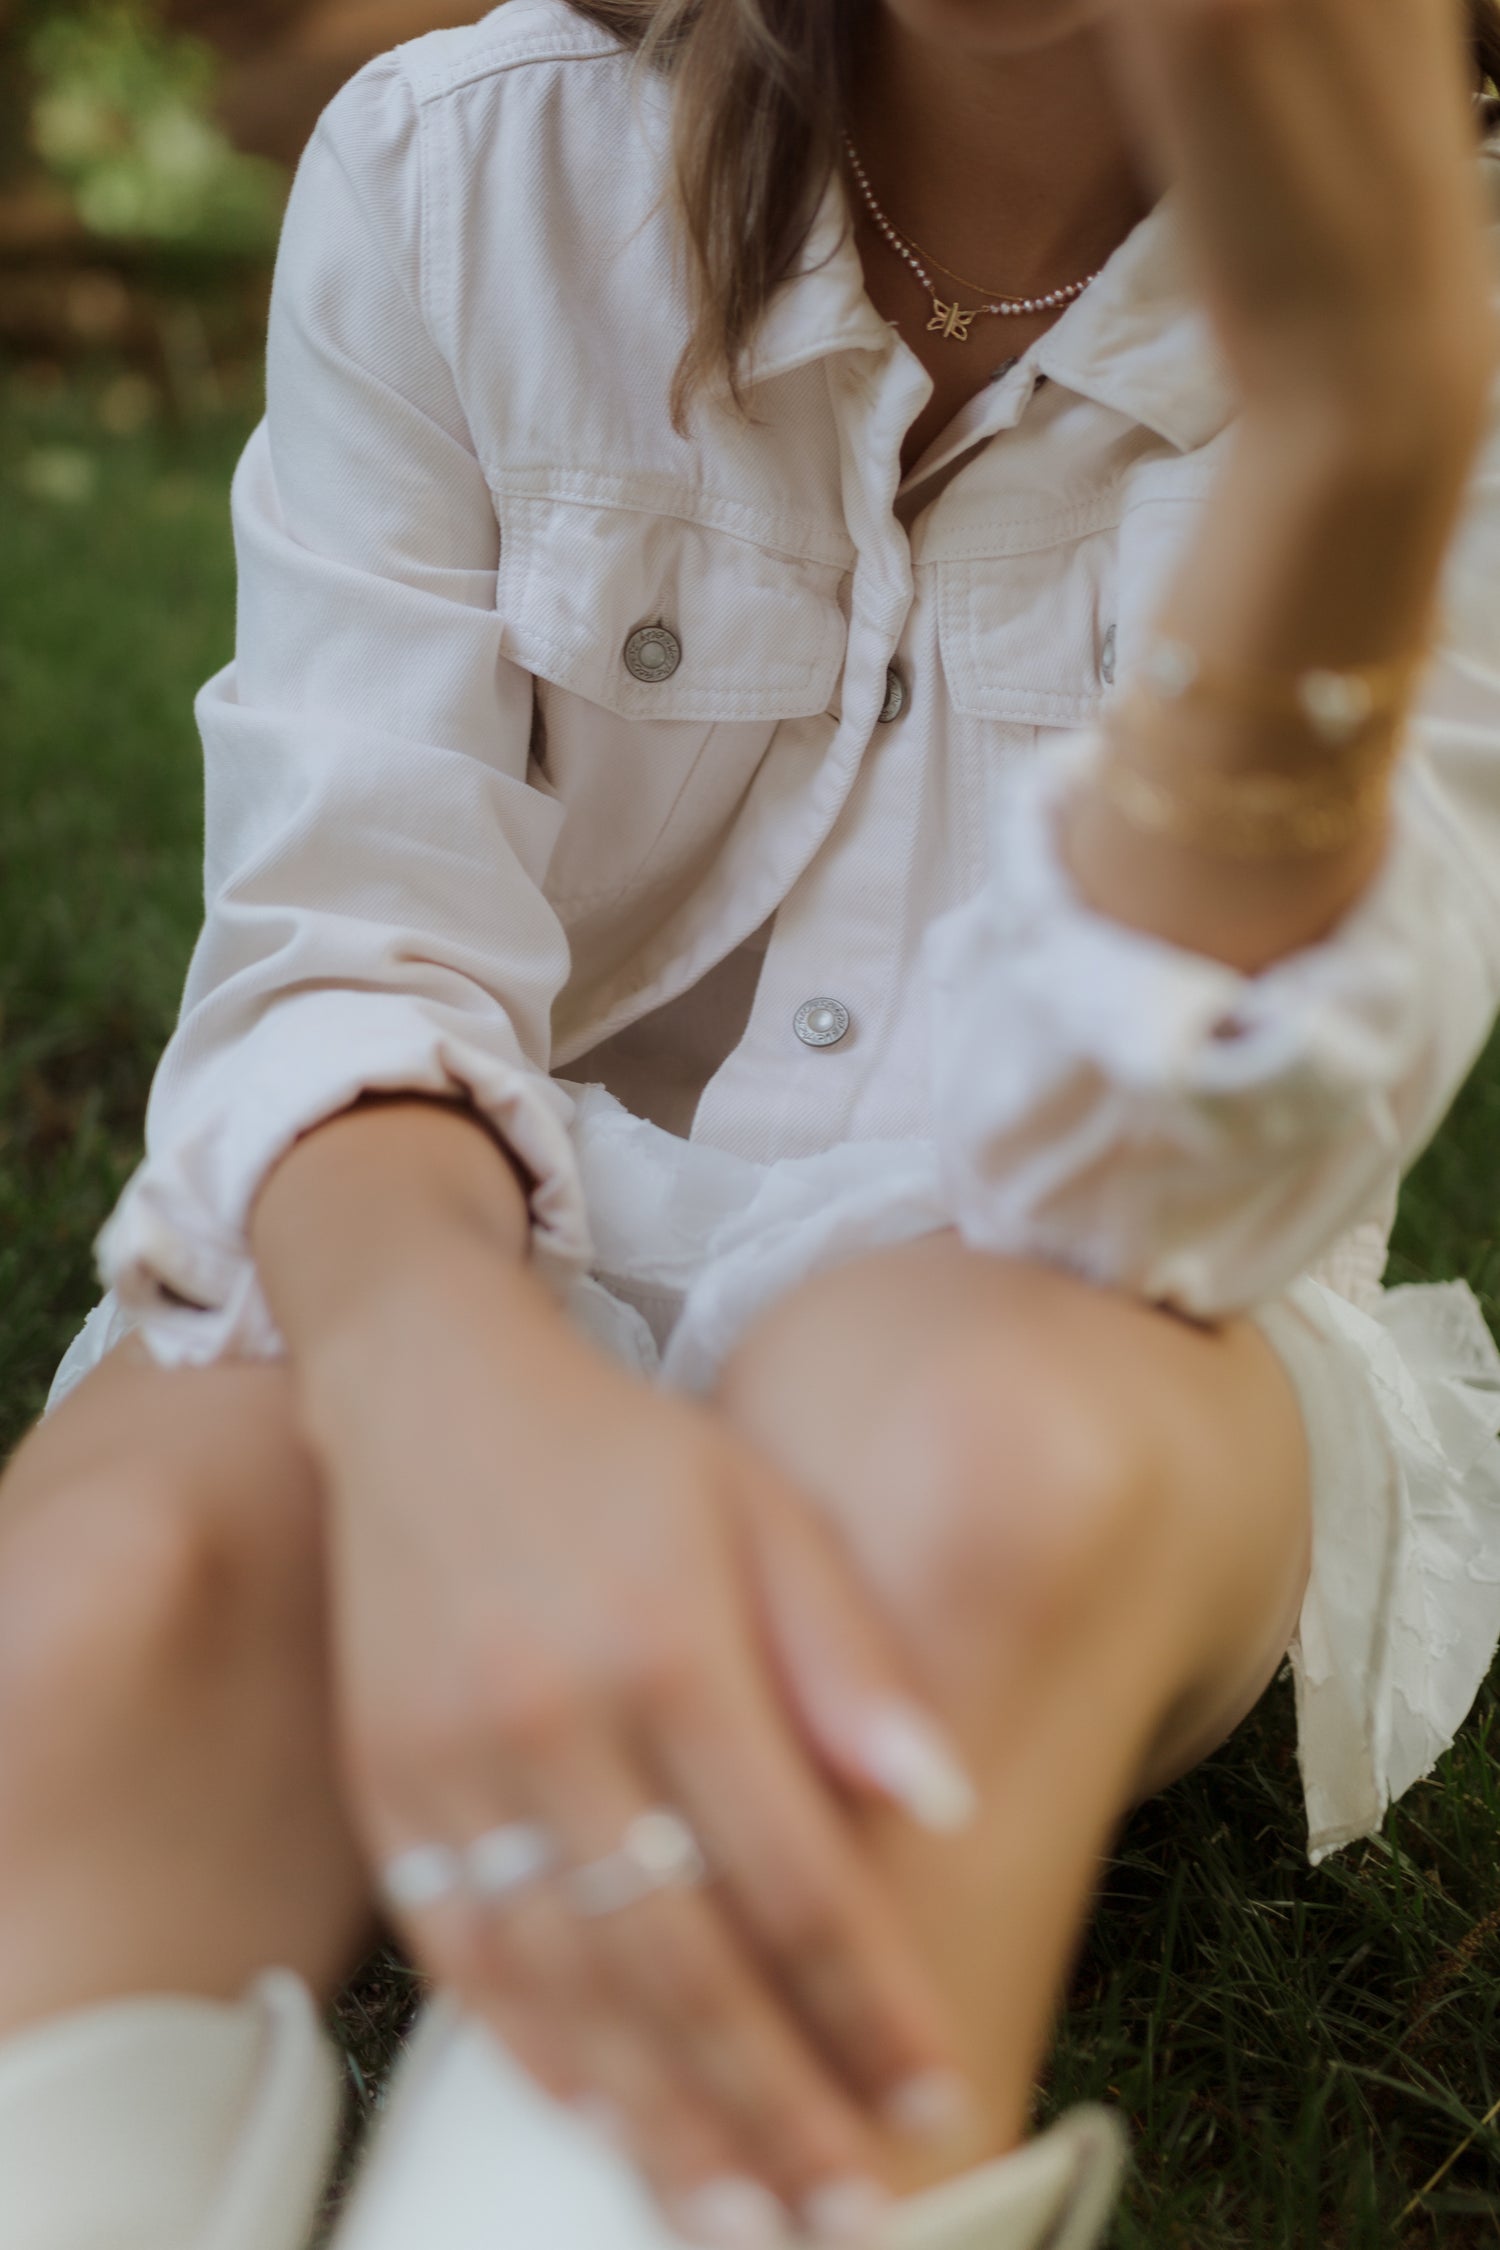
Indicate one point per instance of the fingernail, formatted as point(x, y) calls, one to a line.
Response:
point(847, 2214)
point(731, 2214)
point(908, 1755)
point(935, 2105)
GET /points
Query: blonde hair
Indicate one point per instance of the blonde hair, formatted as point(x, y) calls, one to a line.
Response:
point(761, 91)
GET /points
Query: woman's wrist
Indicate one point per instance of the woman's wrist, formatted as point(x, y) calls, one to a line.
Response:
point(1246, 912)
point(377, 1218)
point(1320, 550)
point(453, 1315)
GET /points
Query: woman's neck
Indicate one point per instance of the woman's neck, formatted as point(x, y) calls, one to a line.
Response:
point(1015, 168)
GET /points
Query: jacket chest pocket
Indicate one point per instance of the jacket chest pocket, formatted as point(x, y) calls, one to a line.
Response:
point(1039, 622)
point(1030, 636)
point(653, 640)
point(752, 634)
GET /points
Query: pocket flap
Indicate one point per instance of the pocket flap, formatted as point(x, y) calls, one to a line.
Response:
point(1025, 636)
point(752, 633)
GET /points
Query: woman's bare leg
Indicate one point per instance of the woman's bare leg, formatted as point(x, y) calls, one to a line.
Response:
point(1090, 1521)
point(169, 1818)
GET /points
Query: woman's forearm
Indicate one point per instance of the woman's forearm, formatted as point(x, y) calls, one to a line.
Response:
point(390, 1205)
point(1318, 549)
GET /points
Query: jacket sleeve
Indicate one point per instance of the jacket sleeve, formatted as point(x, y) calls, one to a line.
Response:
point(374, 851)
point(1166, 1125)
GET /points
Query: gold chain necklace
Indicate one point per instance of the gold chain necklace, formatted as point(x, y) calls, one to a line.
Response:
point(1001, 296)
point(953, 320)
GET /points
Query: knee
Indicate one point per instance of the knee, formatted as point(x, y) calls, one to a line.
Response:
point(1032, 1499)
point(115, 1594)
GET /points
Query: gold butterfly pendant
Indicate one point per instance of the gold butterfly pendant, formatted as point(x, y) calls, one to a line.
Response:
point(951, 320)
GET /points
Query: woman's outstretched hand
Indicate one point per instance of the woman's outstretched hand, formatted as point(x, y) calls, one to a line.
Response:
point(563, 1600)
point(1324, 155)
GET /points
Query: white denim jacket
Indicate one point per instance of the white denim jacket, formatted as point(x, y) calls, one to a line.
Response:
point(455, 842)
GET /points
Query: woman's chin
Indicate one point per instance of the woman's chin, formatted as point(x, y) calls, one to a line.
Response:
point(984, 28)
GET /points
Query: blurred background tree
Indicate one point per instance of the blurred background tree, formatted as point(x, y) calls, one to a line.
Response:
point(121, 118)
point(145, 151)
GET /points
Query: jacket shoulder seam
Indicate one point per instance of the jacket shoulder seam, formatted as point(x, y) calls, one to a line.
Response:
point(430, 82)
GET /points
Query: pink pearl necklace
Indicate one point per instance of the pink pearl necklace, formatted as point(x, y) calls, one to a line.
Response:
point(953, 319)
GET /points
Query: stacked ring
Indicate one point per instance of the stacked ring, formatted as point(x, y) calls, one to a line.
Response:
point(420, 1876)
point(657, 1852)
point(505, 1860)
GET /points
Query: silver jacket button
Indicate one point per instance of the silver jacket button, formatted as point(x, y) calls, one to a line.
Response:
point(821, 1022)
point(895, 697)
point(1107, 659)
point(652, 654)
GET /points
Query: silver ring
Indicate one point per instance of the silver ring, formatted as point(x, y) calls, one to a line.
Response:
point(504, 1860)
point(420, 1876)
point(658, 1852)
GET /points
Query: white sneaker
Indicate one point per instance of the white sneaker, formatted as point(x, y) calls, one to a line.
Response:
point(470, 2154)
point(169, 2123)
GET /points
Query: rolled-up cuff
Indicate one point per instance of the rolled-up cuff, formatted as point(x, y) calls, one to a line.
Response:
point(176, 1252)
point(1151, 1117)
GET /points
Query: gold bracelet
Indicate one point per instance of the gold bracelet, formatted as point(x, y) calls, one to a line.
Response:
point(1338, 707)
point(1262, 814)
point(1133, 716)
point(1244, 816)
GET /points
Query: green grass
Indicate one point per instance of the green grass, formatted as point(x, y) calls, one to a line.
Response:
point(111, 610)
point(1298, 2053)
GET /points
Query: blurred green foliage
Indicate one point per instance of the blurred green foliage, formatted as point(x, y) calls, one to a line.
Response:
point(122, 116)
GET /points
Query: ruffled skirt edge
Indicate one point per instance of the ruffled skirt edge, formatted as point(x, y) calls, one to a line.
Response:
point(1400, 1621)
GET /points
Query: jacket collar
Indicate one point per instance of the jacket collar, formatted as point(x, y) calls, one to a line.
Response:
point(1140, 340)
point(1137, 340)
point(822, 308)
